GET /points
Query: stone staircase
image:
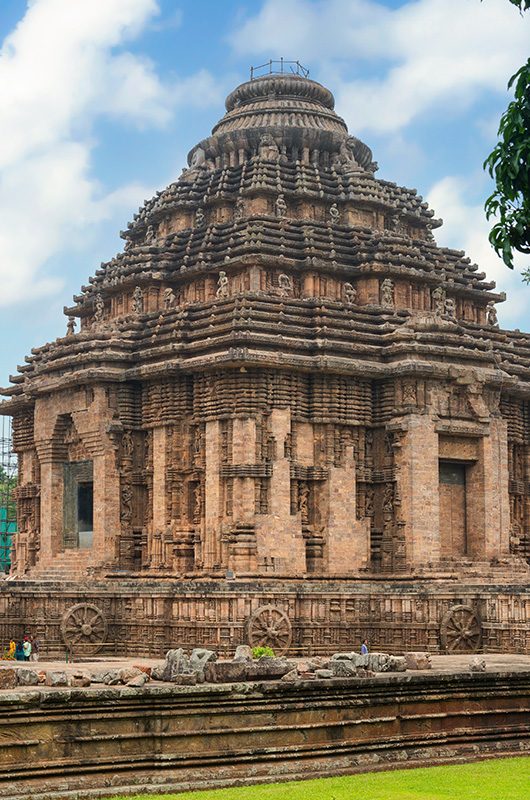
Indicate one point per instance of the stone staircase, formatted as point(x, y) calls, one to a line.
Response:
point(69, 565)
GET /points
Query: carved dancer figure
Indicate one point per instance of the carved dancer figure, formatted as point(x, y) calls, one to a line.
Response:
point(334, 213)
point(138, 300)
point(491, 315)
point(99, 306)
point(350, 294)
point(199, 217)
point(70, 326)
point(169, 297)
point(450, 307)
point(438, 300)
point(239, 209)
point(285, 283)
point(281, 206)
point(222, 285)
point(387, 293)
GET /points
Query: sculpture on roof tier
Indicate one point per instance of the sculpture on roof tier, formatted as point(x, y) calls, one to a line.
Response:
point(349, 409)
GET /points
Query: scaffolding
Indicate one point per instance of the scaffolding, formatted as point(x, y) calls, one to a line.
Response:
point(8, 482)
point(279, 67)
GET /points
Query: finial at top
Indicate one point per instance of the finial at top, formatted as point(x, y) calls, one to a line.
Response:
point(279, 67)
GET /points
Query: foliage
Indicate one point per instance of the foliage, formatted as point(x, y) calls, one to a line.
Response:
point(495, 779)
point(260, 652)
point(509, 165)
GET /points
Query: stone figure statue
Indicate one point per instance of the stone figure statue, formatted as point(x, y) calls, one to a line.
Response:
point(99, 307)
point(350, 294)
point(222, 285)
point(281, 206)
point(268, 148)
point(138, 301)
point(285, 283)
point(199, 217)
point(438, 300)
point(491, 315)
point(198, 158)
point(303, 501)
point(127, 444)
point(387, 293)
point(150, 234)
point(450, 307)
point(334, 213)
point(70, 326)
point(169, 297)
point(239, 209)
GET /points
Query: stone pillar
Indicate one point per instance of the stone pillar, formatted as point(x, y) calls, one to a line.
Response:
point(159, 493)
point(418, 483)
point(212, 498)
point(244, 452)
point(281, 547)
point(348, 544)
point(488, 502)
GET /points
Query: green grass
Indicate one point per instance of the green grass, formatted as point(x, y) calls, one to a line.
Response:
point(495, 779)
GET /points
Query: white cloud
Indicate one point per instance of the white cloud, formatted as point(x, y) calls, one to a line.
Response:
point(429, 52)
point(63, 67)
point(465, 228)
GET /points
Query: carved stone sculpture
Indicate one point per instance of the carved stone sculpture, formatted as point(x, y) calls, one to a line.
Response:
point(169, 298)
point(281, 206)
point(222, 285)
point(70, 327)
point(99, 307)
point(438, 300)
point(138, 300)
point(450, 307)
point(491, 315)
point(350, 294)
point(285, 283)
point(334, 214)
point(387, 293)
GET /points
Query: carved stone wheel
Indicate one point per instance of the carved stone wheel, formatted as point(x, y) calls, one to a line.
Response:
point(269, 626)
point(84, 627)
point(461, 630)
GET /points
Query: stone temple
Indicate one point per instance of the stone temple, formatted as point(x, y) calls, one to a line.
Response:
point(282, 414)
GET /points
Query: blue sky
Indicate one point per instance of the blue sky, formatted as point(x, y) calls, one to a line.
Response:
point(100, 101)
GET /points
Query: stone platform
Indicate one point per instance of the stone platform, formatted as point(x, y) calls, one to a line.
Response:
point(98, 742)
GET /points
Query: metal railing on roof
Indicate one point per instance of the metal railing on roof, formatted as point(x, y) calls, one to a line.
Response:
point(279, 67)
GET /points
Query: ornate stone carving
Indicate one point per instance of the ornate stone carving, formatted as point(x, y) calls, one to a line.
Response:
point(491, 315)
point(334, 214)
point(450, 307)
point(281, 206)
point(269, 626)
point(268, 148)
point(285, 283)
point(438, 300)
point(70, 327)
point(84, 628)
point(350, 294)
point(138, 300)
point(461, 630)
point(169, 298)
point(99, 307)
point(222, 285)
point(387, 293)
point(199, 217)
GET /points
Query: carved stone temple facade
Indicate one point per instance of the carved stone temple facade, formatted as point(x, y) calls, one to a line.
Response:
point(281, 395)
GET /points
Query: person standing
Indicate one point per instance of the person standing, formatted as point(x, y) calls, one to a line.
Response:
point(19, 652)
point(364, 647)
point(35, 649)
point(26, 647)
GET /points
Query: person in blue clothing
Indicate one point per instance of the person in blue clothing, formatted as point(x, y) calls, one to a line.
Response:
point(19, 652)
point(364, 647)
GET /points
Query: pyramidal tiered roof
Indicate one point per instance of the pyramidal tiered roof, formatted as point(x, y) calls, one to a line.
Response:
point(278, 244)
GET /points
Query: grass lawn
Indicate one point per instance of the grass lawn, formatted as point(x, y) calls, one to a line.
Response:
point(495, 779)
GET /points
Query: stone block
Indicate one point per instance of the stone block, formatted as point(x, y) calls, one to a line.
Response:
point(323, 674)
point(56, 678)
point(243, 653)
point(8, 678)
point(396, 664)
point(129, 673)
point(291, 676)
point(186, 679)
point(343, 669)
point(268, 669)
point(80, 679)
point(418, 660)
point(226, 671)
point(177, 663)
point(27, 677)
point(138, 680)
point(477, 664)
point(200, 657)
point(144, 668)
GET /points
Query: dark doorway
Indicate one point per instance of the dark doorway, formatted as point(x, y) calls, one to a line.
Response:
point(78, 504)
point(453, 530)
